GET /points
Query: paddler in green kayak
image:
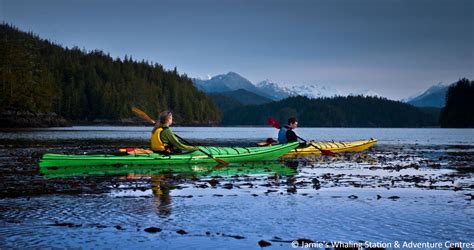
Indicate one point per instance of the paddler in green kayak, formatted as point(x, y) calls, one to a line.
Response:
point(163, 140)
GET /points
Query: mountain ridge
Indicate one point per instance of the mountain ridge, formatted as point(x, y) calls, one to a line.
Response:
point(233, 81)
point(236, 98)
point(308, 90)
point(227, 82)
point(434, 96)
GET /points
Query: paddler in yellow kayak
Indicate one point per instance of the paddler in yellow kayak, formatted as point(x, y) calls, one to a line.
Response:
point(163, 140)
point(286, 133)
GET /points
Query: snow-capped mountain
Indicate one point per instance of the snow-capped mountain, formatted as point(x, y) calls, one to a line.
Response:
point(314, 91)
point(365, 92)
point(273, 90)
point(435, 96)
point(233, 81)
point(227, 82)
point(279, 92)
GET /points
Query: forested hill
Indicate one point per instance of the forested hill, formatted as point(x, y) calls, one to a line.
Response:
point(457, 112)
point(351, 111)
point(38, 76)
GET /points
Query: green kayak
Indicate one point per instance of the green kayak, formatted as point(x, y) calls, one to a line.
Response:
point(186, 170)
point(228, 154)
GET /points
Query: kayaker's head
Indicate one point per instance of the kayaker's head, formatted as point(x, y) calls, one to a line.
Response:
point(292, 123)
point(166, 118)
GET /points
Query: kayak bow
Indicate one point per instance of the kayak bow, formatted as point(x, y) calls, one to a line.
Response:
point(336, 147)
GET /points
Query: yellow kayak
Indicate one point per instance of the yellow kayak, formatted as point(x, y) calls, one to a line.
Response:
point(335, 147)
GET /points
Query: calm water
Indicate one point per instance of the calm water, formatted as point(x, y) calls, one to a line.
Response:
point(414, 185)
point(433, 136)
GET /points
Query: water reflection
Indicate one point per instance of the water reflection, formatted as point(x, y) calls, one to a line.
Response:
point(162, 180)
point(187, 171)
point(161, 193)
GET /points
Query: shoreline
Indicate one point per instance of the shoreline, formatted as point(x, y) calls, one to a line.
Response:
point(27, 119)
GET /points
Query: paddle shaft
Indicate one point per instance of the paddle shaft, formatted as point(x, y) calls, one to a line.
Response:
point(305, 141)
point(323, 151)
point(185, 141)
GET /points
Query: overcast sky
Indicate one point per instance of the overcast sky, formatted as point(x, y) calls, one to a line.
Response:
point(392, 47)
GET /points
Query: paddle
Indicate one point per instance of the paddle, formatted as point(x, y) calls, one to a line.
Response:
point(274, 123)
point(145, 117)
point(220, 161)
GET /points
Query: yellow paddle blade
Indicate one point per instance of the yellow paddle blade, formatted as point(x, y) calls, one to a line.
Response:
point(142, 115)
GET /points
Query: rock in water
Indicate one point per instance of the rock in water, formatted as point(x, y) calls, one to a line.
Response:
point(264, 243)
point(153, 230)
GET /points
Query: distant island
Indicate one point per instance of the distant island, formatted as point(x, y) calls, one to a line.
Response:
point(351, 111)
point(44, 84)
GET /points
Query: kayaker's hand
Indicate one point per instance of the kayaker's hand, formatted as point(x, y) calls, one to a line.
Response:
point(304, 144)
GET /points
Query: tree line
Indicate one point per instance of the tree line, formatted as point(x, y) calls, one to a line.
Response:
point(37, 75)
point(350, 111)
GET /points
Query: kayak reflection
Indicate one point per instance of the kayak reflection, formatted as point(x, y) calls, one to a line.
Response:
point(162, 180)
point(184, 171)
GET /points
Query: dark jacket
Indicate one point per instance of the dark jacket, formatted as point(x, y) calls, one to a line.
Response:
point(291, 135)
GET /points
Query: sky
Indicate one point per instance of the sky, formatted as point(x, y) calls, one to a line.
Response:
point(396, 48)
